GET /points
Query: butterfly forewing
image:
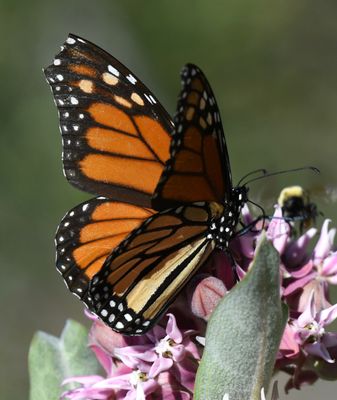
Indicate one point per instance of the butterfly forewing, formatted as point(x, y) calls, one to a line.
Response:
point(86, 236)
point(199, 158)
point(112, 125)
point(143, 275)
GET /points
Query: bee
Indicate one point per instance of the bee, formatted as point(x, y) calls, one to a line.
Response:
point(296, 206)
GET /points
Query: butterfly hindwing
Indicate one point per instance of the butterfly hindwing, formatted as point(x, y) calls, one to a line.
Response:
point(199, 159)
point(86, 235)
point(112, 126)
point(143, 275)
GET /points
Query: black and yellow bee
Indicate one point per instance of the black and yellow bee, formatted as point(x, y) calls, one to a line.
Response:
point(297, 207)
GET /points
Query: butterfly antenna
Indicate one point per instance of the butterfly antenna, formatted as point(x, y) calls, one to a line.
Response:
point(264, 171)
point(314, 169)
point(263, 216)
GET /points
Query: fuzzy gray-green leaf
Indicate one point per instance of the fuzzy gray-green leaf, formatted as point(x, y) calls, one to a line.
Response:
point(53, 359)
point(244, 333)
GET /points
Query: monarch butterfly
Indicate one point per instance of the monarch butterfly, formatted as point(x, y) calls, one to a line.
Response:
point(165, 190)
point(296, 206)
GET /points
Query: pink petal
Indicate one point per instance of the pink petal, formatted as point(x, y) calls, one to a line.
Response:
point(324, 243)
point(103, 336)
point(161, 364)
point(104, 359)
point(330, 265)
point(156, 333)
point(278, 231)
point(332, 280)
point(149, 386)
point(330, 339)
point(298, 284)
point(185, 372)
point(309, 312)
point(88, 394)
point(191, 348)
point(320, 295)
point(172, 329)
point(328, 315)
point(289, 346)
point(83, 379)
point(240, 272)
point(136, 356)
point(318, 349)
point(178, 352)
point(247, 242)
point(296, 250)
point(90, 315)
point(170, 388)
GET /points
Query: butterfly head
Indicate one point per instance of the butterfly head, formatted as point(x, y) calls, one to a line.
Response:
point(239, 195)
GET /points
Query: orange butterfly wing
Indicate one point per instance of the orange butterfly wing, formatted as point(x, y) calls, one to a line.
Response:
point(86, 236)
point(115, 133)
point(144, 274)
point(199, 168)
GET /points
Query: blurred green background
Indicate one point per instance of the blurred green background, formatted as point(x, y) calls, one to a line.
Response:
point(272, 66)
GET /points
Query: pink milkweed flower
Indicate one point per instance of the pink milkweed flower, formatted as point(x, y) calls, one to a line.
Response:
point(175, 353)
point(310, 331)
point(164, 360)
point(317, 270)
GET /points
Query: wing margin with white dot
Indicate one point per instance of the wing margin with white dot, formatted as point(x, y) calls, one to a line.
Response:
point(86, 236)
point(107, 117)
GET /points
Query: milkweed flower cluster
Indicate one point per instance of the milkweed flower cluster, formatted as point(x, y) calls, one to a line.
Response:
point(307, 350)
point(158, 365)
point(162, 364)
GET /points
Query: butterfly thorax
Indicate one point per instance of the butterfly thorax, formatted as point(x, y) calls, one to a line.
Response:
point(225, 217)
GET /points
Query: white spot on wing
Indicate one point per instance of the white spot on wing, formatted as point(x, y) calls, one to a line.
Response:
point(73, 100)
point(153, 99)
point(128, 317)
point(131, 79)
point(111, 318)
point(70, 40)
point(113, 70)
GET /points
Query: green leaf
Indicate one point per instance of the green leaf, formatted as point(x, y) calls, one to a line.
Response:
point(53, 359)
point(244, 333)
